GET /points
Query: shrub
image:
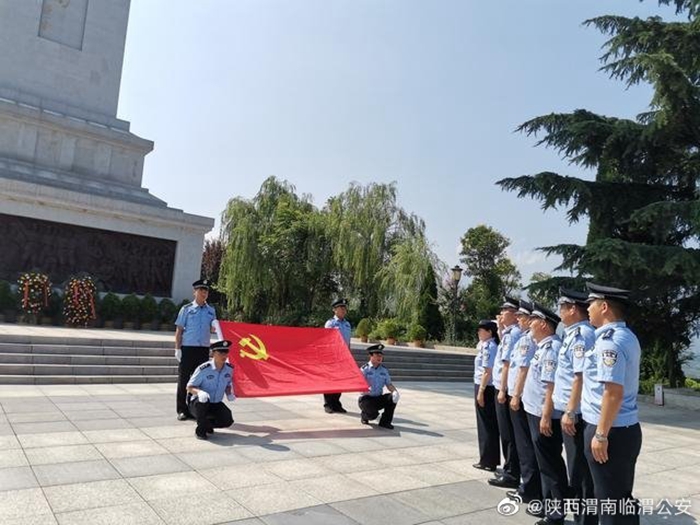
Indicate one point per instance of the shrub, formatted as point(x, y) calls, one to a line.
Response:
point(416, 332)
point(364, 327)
point(692, 383)
point(388, 329)
point(149, 309)
point(111, 307)
point(167, 311)
point(130, 307)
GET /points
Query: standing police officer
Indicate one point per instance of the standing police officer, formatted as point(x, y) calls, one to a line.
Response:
point(510, 477)
point(485, 397)
point(542, 418)
point(194, 324)
point(612, 434)
point(530, 486)
point(568, 383)
point(331, 402)
point(377, 377)
point(207, 386)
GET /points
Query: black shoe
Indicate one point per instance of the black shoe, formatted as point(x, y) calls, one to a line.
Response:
point(210, 430)
point(386, 425)
point(364, 421)
point(328, 410)
point(200, 434)
point(183, 417)
point(341, 410)
point(483, 467)
point(504, 482)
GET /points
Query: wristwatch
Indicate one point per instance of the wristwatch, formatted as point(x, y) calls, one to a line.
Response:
point(571, 415)
point(600, 437)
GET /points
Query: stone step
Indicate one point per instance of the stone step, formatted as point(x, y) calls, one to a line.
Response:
point(89, 370)
point(84, 341)
point(68, 359)
point(75, 380)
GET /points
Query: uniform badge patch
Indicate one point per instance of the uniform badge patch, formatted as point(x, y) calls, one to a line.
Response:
point(523, 349)
point(609, 357)
point(579, 350)
point(549, 365)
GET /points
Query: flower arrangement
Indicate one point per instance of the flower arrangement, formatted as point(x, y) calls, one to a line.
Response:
point(79, 301)
point(34, 289)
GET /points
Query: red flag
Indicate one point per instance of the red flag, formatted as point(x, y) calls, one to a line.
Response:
point(287, 361)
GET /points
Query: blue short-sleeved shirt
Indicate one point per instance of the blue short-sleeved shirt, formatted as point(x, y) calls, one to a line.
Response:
point(510, 335)
point(485, 358)
point(578, 338)
point(520, 357)
point(214, 382)
point(377, 378)
point(343, 325)
point(543, 367)
point(613, 359)
point(195, 322)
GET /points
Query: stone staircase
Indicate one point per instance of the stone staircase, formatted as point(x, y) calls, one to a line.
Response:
point(73, 360)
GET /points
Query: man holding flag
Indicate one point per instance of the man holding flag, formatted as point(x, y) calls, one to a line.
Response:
point(331, 402)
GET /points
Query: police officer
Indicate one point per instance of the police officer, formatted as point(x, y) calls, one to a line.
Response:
point(377, 377)
point(510, 333)
point(207, 387)
point(530, 486)
point(579, 337)
point(543, 419)
point(194, 324)
point(613, 437)
point(331, 402)
point(485, 397)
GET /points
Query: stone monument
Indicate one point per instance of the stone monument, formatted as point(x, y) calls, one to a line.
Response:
point(71, 198)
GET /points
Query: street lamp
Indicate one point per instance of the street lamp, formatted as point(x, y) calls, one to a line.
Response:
point(456, 277)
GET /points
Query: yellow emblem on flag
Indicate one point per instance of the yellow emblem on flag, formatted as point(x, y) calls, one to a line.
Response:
point(252, 350)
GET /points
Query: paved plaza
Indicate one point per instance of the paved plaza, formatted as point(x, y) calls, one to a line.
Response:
point(103, 454)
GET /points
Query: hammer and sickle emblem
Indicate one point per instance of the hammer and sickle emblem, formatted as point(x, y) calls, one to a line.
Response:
point(252, 350)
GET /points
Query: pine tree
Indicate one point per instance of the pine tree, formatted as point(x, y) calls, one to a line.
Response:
point(643, 205)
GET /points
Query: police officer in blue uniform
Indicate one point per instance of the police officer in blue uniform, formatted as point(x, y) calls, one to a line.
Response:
point(530, 485)
point(207, 387)
point(331, 402)
point(375, 399)
point(612, 434)
point(485, 396)
point(543, 419)
point(194, 325)
point(579, 338)
point(510, 333)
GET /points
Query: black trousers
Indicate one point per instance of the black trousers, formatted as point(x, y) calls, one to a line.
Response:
point(531, 484)
point(210, 415)
point(548, 449)
point(332, 401)
point(580, 480)
point(371, 405)
point(511, 462)
point(487, 428)
point(192, 357)
point(614, 479)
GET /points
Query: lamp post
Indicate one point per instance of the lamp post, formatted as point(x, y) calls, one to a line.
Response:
point(456, 277)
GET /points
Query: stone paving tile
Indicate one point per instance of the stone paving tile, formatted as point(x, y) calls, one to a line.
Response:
point(113, 435)
point(432, 474)
point(139, 513)
point(269, 499)
point(39, 519)
point(16, 478)
point(149, 465)
point(83, 415)
point(169, 431)
point(347, 463)
point(80, 496)
point(165, 486)
point(75, 472)
point(322, 515)
point(438, 502)
point(43, 427)
point(101, 424)
point(333, 488)
point(62, 454)
point(127, 449)
point(296, 469)
point(53, 439)
point(268, 452)
point(21, 504)
point(311, 449)
point(199, 509)
point(380, 510)
point(13, 457)
point(387, 480)
point(239, 476)
point(36, 417)
point(206, 459)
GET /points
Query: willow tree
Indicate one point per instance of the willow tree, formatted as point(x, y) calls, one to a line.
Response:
point(365, 223)
point(642, 205)
point(276, 265)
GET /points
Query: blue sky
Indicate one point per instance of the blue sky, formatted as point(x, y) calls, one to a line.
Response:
point(324, 92)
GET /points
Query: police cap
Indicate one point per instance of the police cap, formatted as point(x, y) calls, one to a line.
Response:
point(376, 349)
point(567, 296)
point(339, 302)
point(596, 291)
point(524, 308)
point(202, 283)
point(220, 346)
point(545, 313)
point(509, 302)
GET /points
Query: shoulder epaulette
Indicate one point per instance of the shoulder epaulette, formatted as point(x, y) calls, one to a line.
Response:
point(204, 366)
point(608, 333)
point(577, 331)
point(228, 364)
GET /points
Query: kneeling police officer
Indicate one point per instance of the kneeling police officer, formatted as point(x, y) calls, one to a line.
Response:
point(207, 387)
point(378, 377)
